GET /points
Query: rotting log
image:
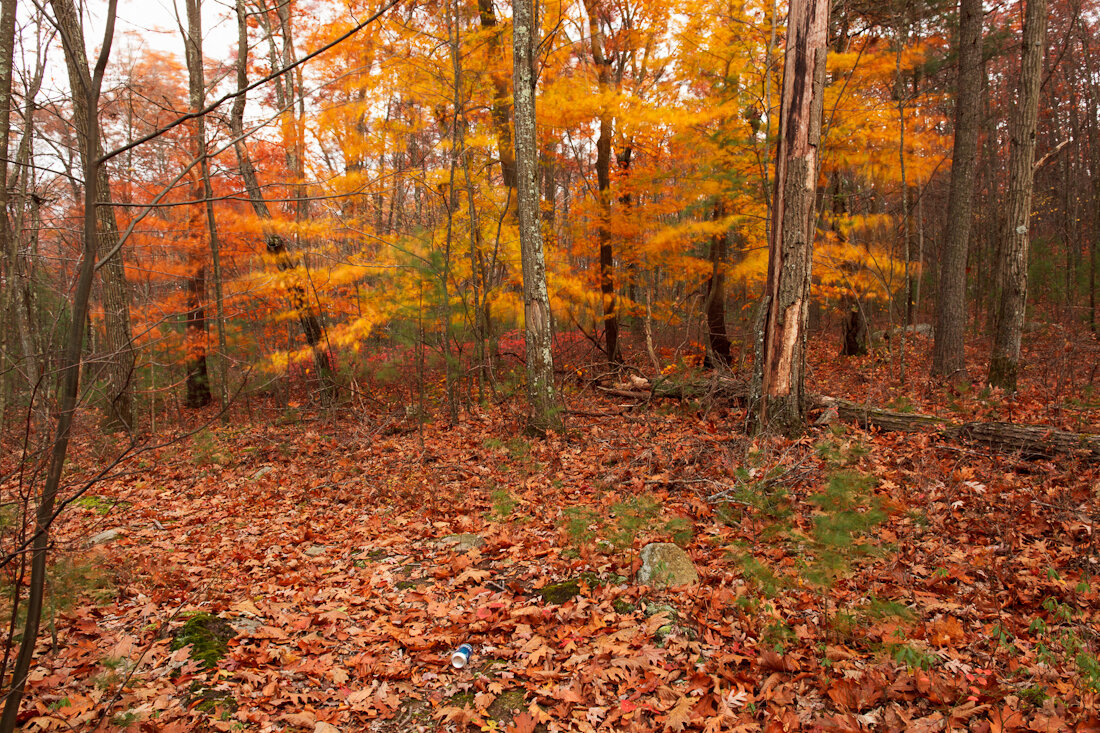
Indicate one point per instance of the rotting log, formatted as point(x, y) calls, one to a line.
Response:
point(867, 417)
point(1031, 441)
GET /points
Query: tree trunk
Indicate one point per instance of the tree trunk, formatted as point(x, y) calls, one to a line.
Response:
point(276, 245)
point(118, 411)
point(198, 376)
point(7, 242)
point(197, 92)
point(86, 86)
point(777, 391)
point(718, 342)
point(855, 332)
point(536, 301)
point(603, 185)
point(501, 100)
point(1005, 359)
point(948, 354)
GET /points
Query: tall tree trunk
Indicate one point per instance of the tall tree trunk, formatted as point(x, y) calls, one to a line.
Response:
point(536, 301)
point(603, 185)
point(777, 389)
point(198, 375)
point(948, 354)
point(118, 411)
point(197, 89)
point(1093, 135)
point(276, 245)
point(7, 242)
point(85, 85)
point(1005, 359)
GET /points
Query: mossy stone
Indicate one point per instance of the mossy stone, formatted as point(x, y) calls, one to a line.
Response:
point(208, 636)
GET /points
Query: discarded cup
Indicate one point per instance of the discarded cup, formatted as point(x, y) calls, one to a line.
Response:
point(461, 656)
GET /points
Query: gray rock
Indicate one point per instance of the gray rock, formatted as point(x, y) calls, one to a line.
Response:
point(244, 625)
point(107, 535)
point(665, 564)
point(463, 542)
point(264, 470)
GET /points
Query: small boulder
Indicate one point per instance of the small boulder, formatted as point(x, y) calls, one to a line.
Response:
point(665, 564)
point(107, 535)
point(264, 470)
point(463, 542)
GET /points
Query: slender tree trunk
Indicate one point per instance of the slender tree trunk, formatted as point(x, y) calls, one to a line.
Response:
point(458, 143)
point(948, 354)
point(276, 245)
point(198, 375)
point(1005, 359)
point(603, 184)
point(7, 242)
point(536, 301)
point(118, 411)
point(197, 93)
point(86, 86)
point(1093, 135)
point(777, 389)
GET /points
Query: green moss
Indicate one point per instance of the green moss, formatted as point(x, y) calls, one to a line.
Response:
point(208, 636)
point(101, 504)
point(557, 593)
point(211, 701)
point(505, 707)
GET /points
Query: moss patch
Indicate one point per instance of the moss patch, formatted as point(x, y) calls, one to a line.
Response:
point(506, 706)
point(557, 593)
point(215, 702)
point(208, 636)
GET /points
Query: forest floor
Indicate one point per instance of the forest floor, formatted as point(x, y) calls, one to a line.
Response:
point(849, 580)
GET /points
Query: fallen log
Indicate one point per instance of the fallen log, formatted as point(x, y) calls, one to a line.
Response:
point(1033, 441)
point(867, 417)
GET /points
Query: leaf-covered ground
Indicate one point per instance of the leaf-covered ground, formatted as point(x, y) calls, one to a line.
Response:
point(850, 580)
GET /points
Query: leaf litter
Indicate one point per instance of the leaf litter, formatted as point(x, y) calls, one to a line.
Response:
point(971, 604)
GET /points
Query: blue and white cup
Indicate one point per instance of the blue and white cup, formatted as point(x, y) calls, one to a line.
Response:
point(461, 656)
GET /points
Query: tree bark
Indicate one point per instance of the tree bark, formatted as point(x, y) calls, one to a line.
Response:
point(781, 336)
point(1009, 324)
point(118, 411)
point(948, 353)
point(536, 301)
